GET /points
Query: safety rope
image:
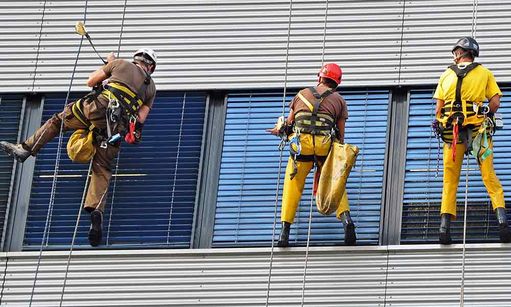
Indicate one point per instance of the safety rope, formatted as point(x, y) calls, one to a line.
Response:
point(38, 45)
point(115, 175)
point(242, 169)
point(428, 170)
point(315, 169)
point(86, 187)
point(281, 150)
point(462, 286)
point(176, 167)
point(74, 233)
point(46, 235)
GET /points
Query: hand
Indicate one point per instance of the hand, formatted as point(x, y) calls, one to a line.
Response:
point(273, 131)
point(110, 57)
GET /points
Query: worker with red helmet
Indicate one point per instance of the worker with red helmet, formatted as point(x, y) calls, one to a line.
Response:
point(317, 115)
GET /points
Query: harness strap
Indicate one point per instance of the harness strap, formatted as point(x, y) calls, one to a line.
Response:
point(77, 109)
point(126, 97)
point(461, 73)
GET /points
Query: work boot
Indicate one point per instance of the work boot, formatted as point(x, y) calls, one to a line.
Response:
point(445, 229)
point(350, 237)
point(284, 235)
point(504, 233)
point(15, 150)
point(95, 232)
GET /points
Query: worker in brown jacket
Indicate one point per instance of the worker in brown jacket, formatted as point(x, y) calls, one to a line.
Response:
point(119, 105)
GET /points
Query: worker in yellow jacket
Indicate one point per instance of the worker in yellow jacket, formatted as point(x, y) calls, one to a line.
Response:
point(316, 116)
point(460, 112)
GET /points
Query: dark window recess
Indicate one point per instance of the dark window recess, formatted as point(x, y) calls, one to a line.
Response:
point(250, 167)
point(424, 173)
point(152, 194)
point(10, 114)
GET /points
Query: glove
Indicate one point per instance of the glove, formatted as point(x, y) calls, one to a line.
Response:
point(437, 129)
point(134, 135)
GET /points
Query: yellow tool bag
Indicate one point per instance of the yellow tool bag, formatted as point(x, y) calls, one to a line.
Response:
point(334, 175)
point(79, 147)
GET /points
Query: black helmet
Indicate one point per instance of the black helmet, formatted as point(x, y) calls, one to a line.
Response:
point(469, 44)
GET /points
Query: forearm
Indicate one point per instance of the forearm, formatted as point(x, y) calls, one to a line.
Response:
point(494, 103)
point(439, 105)
point(143, 112)
point(341, 125)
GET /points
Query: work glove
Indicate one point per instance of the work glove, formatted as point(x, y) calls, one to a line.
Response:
point(134, 135)
point(435, 126)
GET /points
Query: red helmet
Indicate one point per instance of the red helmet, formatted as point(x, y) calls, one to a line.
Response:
point(331, 71)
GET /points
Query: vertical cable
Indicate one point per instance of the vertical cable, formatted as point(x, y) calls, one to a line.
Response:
point(114, 185)
point(38, 46)
point(462, 286)
point(277, 190)
point(56, 169)
point(309, 225)
point(84, 194)
point(180, 136)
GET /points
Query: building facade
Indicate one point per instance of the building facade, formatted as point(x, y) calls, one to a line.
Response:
point(192, 210)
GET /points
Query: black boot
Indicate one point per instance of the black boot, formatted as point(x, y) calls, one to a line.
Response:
point(95, 231)
point(445, 229)
point(284, 235)
point(350, 237)
point(15, 150)
point(504, 233)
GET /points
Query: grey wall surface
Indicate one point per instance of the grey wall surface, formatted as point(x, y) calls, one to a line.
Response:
point(413, 275)
point(233, 44)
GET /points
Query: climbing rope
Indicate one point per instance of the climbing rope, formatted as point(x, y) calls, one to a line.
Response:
point(462, 286)
point(46, 235)
point(315, 169)
point(86, 187)
point(281, 149)
point(180, 136)
point(114, 184)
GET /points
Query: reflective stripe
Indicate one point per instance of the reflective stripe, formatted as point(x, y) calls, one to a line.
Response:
point(309, 105)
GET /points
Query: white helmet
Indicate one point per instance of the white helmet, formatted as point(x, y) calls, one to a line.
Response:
point(146, 55)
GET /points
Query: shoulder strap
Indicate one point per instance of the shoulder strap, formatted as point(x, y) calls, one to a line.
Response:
point(461, 73)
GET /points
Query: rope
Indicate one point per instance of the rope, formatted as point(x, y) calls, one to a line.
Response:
point(114, 185)
point(462, 286)
point(84, 194)
point(39, 44)
point(56, 169)
point(315, 168)
point(307, 246)
point(176, 166)
point(281, 148)
point(74, 233)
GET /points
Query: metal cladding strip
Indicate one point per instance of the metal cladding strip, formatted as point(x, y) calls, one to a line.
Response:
point(418, 275)
point(228, 44)
point(230, 277)
point(432, 278)
point(431, 29)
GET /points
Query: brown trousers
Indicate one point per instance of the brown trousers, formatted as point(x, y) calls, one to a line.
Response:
point(102, 161)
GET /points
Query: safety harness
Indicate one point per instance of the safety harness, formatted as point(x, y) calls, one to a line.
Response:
point(130, 101)
point(313, 123)
point(123, 105)
point(460, 114)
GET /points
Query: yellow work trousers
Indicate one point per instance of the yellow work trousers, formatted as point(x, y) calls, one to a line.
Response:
point(293, 188)
point(452, 171)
